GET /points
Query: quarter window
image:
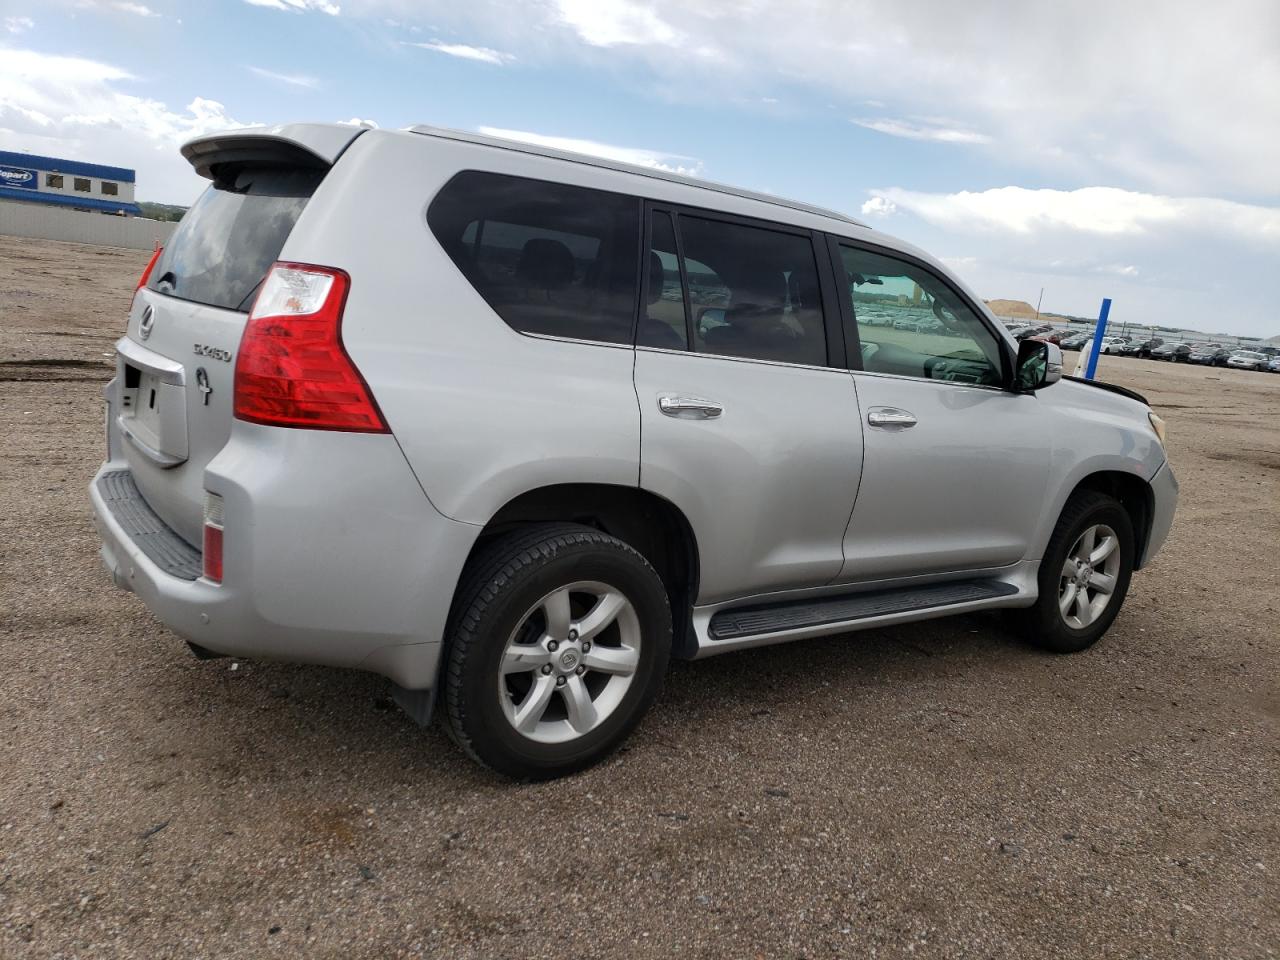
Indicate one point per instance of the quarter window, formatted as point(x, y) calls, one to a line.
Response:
point(53, 180)
point(548, 258)
point(912, 324)
point(753, 292)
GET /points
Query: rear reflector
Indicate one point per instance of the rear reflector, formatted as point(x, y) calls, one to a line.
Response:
point(212, 537)
point(292, 369)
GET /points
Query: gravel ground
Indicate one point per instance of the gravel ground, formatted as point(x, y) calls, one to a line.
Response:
point(933, 790)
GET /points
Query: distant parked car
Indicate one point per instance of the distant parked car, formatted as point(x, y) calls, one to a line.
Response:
point(1174, 352)
point(1076, 341)
point(1113, 344)
point(1248, 360)
point(1274, 364)
point(1144, 348)
point(1210, 356)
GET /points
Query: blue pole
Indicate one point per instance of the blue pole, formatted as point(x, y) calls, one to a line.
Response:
point(1098, 333)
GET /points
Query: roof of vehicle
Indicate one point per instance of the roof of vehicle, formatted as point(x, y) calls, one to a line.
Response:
point(650, 172)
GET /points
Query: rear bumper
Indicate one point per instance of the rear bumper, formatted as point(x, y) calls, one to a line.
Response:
point(1164, 490)
point(332, 555)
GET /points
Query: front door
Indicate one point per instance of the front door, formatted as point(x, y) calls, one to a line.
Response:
point(749, 420)
point(956, 467)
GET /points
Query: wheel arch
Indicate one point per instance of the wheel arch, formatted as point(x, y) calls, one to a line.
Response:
point(653, 525)
point(1134, 494)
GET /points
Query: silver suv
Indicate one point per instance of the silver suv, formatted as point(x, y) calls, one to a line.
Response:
point(512, 427)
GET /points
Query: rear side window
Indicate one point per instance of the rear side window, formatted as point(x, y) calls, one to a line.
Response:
point(549, 258)
point(221, 251)
point(753, 292)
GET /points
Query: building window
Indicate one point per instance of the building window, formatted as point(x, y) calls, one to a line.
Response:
point(81, 184)
point(53, 180)
point(110, 189)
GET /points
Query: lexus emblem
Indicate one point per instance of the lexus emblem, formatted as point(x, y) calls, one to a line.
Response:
point(147, 322)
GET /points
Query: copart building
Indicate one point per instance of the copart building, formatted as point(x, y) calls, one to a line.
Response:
point(70, 184)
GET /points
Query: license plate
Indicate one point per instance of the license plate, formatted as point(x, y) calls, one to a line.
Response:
point(147, 401)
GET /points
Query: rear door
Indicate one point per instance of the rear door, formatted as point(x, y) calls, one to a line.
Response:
point(749, 420)
point(956, 467)
point(176, 364)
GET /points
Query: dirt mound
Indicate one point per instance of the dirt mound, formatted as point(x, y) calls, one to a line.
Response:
point(1011, 308)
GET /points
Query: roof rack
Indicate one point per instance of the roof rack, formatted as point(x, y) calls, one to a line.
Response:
point(523, 147)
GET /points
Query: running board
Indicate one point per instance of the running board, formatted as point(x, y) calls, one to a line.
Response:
point(741, 623)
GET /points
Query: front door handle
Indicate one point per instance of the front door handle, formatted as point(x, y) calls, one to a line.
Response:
point(689, 408)
point(890, 417)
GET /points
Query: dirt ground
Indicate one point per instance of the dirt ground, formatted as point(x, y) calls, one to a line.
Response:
point(932, 790)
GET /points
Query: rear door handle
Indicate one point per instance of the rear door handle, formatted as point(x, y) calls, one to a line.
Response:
point(890, 417)
point(689, 408)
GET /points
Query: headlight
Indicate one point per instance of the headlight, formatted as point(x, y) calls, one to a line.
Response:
point(1157, 424)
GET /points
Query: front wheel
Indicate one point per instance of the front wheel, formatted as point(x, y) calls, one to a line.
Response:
point(1084, 575)
point(559, 640)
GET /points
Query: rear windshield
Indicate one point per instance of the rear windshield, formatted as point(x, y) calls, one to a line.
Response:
point(227, 240)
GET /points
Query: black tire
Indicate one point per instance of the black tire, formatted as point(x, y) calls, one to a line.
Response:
point(1043, 624)
point(498, 588)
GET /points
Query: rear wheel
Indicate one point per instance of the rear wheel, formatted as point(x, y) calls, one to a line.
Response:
point(559, 640)
point(1084, 575)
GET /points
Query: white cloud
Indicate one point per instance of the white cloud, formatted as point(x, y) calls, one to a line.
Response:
point(18, 24)
point(298, 6)
point(611, 23)
point(1091, 210)
point(80, 109)
point(923, 131)
point(654, 159)
point(290, 79)
point(879, 207)
point(137, 9)
point(466, 52)
point(357, 122)
point(1087, 91)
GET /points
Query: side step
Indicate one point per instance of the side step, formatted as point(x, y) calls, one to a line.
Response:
point(753, 621)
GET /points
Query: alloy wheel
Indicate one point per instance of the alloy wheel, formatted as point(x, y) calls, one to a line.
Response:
point(1089, 576)
point(569, 662)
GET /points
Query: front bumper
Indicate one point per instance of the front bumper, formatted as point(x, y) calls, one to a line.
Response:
point(332, 555)
point(1164, 490)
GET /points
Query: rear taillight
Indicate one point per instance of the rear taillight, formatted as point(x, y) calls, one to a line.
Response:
point(213, 525)
point(146, 272)
point(292, 370)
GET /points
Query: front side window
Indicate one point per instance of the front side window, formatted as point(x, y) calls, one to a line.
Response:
point(753, 292)
point(549, 258)
point(81, 184)
point(110, 189)
point(912, 324)
point(53, 180)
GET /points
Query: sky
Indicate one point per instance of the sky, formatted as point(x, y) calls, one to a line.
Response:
point(1124, 149)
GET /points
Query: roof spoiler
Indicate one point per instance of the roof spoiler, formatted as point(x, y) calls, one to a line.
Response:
point(292, 144)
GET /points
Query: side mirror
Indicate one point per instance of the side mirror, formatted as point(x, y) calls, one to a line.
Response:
point(1039, 365)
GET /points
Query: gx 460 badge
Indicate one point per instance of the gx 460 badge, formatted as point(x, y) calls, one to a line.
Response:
point(214, 353)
